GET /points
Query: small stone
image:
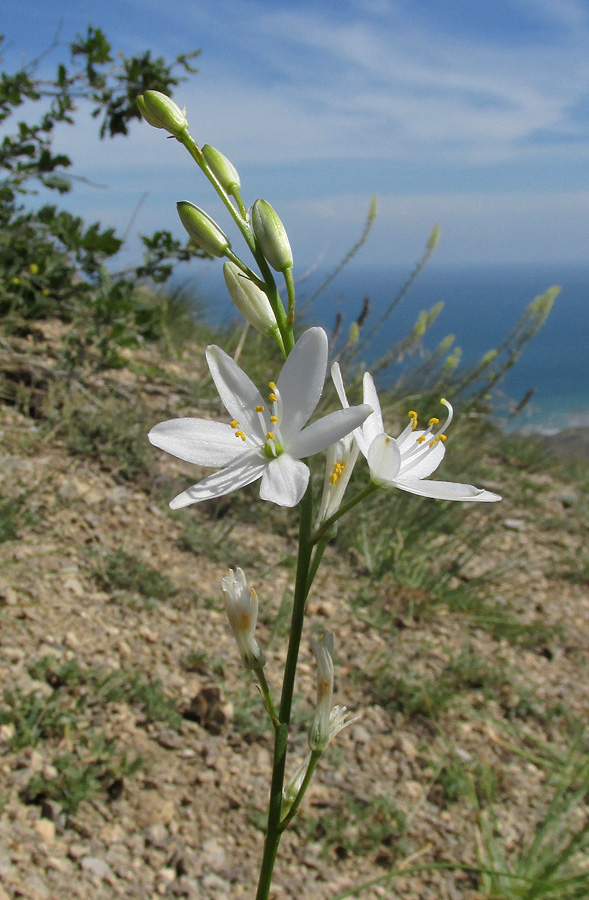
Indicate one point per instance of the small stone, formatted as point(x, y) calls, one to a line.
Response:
point(45, 829)
point(96, 867)
point(112, 834)
point(157, 835)
point(213, 854)
point(170, 739)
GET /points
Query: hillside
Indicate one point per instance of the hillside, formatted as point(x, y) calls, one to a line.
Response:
point(134, 757)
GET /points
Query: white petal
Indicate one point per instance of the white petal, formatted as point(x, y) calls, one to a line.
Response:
point(238, 393)
point(423, 461)
point(285, 481)
point(373, 424)
point(328, 430)
point(384, 459)
point(301, 381)
point(338, 383)
point(199, 441)
point(232, 477)
point(446, 490)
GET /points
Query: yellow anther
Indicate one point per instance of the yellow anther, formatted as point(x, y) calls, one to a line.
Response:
point(273, 419)
point(439, 437)
point(240, 434)
point(259, 409)
point(234, 424)
point(272, 385)
point(413, 416)
point(338, 469)
point(433, 421)
point(421, 439)
point(273, 398)
point(270, 436)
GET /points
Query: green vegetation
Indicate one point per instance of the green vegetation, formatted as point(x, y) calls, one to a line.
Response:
point(119, 571)
point(63, 716)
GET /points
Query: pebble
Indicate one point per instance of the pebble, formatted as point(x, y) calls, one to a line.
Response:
point(96, 867)
point(45, 828)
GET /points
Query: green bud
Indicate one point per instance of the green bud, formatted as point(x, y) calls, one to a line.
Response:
point(202, 229)
point(354, 333)
point(223, 170)
point(252, 302)
point(452, 361)
point(161, 112)
point(272, 237)
point(446, 343)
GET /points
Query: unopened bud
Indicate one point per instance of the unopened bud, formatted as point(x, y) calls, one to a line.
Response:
point(241, 606)
point(319, 731)
point(250, 300)
point(202, 229)
point(446, 343)
point(271, 235)
point(161, 112)
point(223, 170)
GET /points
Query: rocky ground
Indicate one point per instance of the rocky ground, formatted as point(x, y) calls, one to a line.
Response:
point(114, 647)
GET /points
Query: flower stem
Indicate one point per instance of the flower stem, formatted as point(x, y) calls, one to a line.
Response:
point(315, 756)
point(324, 528)
point(274, 830)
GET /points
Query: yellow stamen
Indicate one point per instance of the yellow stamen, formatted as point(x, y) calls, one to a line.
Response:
point(439, 437)
point(272, 385)
point(270, 436)
point(273, 398)
point(421, 439)
point(234, 424)
point(433, 421)
point(273, 419)
point(413, 416)
point(240, 434)
point(259, 409)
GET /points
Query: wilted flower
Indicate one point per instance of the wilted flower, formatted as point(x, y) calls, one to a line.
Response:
point(241, 606)
point(323, 653)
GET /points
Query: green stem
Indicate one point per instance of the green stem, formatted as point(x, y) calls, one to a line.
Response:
point(315, 755)
point(274, 832)
point(317, 557)
point(290, 290)
point(324, 528)
point(267, 696)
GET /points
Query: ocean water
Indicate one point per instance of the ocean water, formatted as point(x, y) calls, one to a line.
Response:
point(481, 305)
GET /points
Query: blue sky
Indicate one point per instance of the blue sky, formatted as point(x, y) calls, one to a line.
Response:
point(467, 113)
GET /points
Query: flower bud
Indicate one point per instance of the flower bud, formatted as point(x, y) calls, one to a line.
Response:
point(241, 607)
point(202, 229)
point(161, 112)
point(271, 235)
point(319, 731)
point(223, 170)
point(252, 302)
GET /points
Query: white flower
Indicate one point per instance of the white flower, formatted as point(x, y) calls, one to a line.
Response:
point(266, 439)
point(241, 606)
point(405, 462)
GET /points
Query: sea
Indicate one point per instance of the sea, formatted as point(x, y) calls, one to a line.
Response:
point(482, 304)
